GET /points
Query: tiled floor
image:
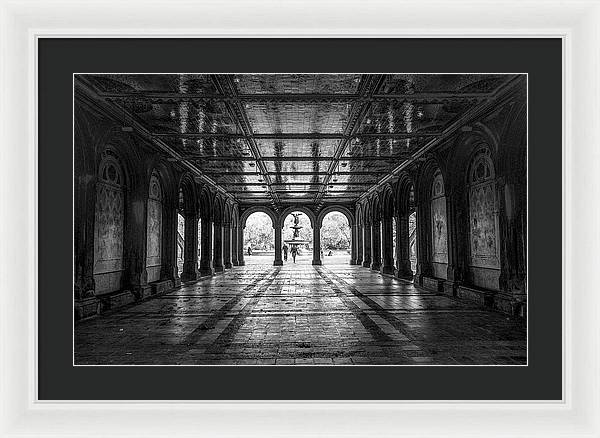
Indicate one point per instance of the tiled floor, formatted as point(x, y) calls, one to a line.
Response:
point(300, 314)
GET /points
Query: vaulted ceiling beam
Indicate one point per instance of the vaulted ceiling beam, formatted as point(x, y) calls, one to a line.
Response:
point(159, 96)
point(297, 136)
point(225, 86)
point(369, 86)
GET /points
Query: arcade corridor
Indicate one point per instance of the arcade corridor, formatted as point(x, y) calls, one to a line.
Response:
point(427, 173)
point(301, 315)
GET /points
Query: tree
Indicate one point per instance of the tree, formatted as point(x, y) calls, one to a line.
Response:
point(258, 233)
point(335, 232)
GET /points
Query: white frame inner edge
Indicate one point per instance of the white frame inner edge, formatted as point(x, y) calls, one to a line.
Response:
point(576, 22)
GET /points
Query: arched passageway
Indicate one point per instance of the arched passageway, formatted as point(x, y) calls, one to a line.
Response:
point(403, 194)
point(336, 239)
point(259, 239)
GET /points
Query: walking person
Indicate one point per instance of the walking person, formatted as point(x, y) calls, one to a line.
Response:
point(285, 251)
point(294, 253)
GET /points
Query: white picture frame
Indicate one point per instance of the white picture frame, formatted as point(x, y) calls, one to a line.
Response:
point(577, 23)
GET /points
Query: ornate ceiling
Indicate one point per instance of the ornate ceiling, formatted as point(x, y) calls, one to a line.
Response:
point(294, 138)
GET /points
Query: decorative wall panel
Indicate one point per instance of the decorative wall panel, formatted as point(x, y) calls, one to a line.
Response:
point(483, 214)
point(438, 221)
point(154, 230)
point(108, 228)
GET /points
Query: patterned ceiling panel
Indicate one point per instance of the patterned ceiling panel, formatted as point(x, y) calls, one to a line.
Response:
point(187, 83)
point(228, 179)
point(294, 83)
point(298, 179)
point(297, 117)
point(356, 178)
point(296, 187)
point(441, 83)
point(297, 148)
point(222, 167)
point(246, 189)
point(407, 117)
point(371, 166)
point(383, 147)
point(297, 166)
point(184, 117)
point(209, 147)
point(277, 137)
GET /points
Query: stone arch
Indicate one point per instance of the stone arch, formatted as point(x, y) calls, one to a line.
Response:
point(247, 212)
point(359, 214)
point(366, 216)
point(307, 211)
point(388, 204)
point(432, 236)
point(187, 197)
point(205, 204)
point(218, 210)
point(335, 208)
point(375, 208)
point(405, 193)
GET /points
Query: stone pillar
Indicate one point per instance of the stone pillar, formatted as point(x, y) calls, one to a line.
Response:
point(353, 240)
point(454, 271)
point(134, 243)
point(403, 247)
point(317, 245)
point(367, 245)
point(85, 196)
point(218, 249)
point(234, 246)
point(227, 246)
point(278, 260)
point(359, 244)
point(206, 257)
point(190, 248)
point(387, 242)
point(240, 246)
point(169, 246)
point(423, 244)
point(376, 246)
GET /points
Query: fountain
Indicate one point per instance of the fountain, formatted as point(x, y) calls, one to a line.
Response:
point(295, 241)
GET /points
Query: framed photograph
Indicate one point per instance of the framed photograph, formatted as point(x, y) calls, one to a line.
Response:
point(255, 219)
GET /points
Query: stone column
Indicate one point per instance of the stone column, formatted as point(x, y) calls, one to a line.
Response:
point(387, 242)
point(367, 245)
point(376, 246)
point(423, 244)
point(316, 245)
point(403, 248)
point(227, 246)
point(234, 246)
point(353, 240)
point(240, 246)
point(190, 248)
point(278, 260)
point(359, 244)
point(134, 243)
point(169, 246)
point(453, 272)
point(218, 249)
point(206, 257)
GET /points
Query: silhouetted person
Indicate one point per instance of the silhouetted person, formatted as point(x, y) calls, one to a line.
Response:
point(249, 251)
point(294, 253)
point(285, 251)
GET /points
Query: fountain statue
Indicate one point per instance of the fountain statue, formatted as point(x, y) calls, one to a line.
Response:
point(295, 241)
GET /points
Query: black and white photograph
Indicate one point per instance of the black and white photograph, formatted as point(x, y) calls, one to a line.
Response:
point(294, 219)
